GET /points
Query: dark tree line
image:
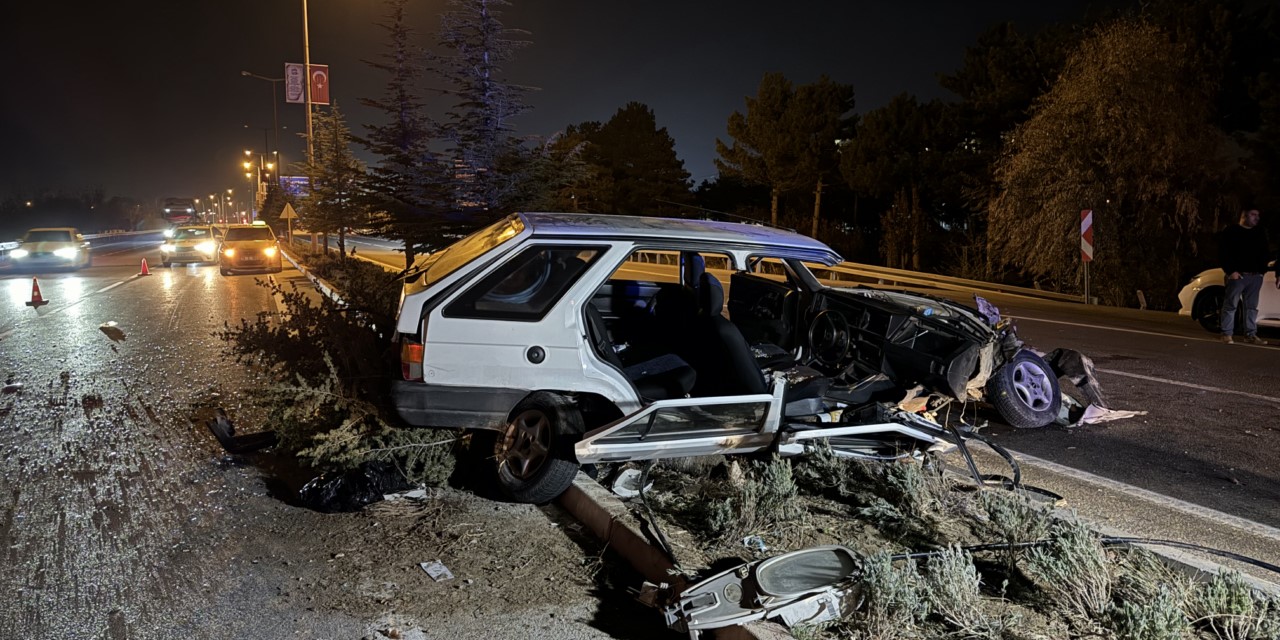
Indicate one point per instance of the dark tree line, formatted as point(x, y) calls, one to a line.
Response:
point(1163, 118)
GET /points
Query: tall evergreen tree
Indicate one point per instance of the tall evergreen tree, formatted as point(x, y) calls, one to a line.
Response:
point(637, 161)
point(408, 181)
point(335, 200)
point(786, 140)
point(477, 45)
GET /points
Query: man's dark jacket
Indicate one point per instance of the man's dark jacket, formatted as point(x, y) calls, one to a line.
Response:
point(1243, 250)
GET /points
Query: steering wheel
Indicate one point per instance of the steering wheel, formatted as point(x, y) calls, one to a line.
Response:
point(829, 337)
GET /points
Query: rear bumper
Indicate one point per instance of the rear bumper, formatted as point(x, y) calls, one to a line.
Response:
point(427, 405)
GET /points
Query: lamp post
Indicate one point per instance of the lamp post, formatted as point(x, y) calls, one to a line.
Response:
point(275, 119)
point(306, 68)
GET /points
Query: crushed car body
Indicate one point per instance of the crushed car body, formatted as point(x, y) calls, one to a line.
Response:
point(578, 338)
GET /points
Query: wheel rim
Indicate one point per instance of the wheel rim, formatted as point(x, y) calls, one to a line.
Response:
point(1031, 384)
point(526, 444)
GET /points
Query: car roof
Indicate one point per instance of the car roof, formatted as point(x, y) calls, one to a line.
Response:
point(587, 225)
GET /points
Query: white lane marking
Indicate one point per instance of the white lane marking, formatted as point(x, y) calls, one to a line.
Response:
point(1255, 528)
point(109, 287)
point(1192, 385)
point(1098, 326)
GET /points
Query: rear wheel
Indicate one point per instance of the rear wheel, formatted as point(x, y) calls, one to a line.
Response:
point(534, 453)
point(1025, 391)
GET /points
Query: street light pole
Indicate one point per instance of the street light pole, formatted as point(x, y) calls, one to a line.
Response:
point(306, 67)
point(275, 118)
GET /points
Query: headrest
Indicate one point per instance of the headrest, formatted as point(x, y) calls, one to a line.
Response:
point(694, 266)
point(710, 295)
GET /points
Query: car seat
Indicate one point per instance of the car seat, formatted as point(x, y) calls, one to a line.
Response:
point(661, 378)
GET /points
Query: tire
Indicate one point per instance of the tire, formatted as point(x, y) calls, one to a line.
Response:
point(534, 452)
point(1207, 309)
point(166, 264)
point(224, 271)
point(1025, 391)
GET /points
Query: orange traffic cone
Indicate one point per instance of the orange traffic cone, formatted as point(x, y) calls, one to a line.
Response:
point(37, 300)
point(145, 271)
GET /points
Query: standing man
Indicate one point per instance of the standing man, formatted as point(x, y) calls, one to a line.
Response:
point(1243, 251)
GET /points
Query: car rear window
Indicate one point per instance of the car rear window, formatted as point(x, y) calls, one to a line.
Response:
point(451, 258)
point(248, 233)
point(526, 286)
point(49, 235)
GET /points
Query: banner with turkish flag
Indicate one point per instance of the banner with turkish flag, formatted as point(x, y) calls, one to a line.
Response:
point(295, 90)
point(319, 84)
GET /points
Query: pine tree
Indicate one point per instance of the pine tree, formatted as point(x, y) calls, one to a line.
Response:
point(787, 138)
point(638, 163)
point(335, 199)
point(408, 180)
point(480, 124)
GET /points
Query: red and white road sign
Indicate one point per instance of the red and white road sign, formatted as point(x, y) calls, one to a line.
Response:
point(1086, 235)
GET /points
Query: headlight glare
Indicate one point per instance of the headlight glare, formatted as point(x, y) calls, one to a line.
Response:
point(167, 248)
point(206, 247)
point(230, 253)
point(66, 252)
point(270, 252)
point(19, 253)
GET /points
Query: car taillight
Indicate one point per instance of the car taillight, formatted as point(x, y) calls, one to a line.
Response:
point(411, 359)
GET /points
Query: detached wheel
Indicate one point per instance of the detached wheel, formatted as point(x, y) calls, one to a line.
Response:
point(534, 453)
point(1025, 391)
point(1207, 309)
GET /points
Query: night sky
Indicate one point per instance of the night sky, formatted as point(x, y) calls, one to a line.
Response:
point(145, 99)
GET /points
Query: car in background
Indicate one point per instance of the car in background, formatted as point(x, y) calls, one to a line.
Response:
point(57, 247)
point(568, 339)
point(189, 244)
point(1201, 299)
point(249, 247)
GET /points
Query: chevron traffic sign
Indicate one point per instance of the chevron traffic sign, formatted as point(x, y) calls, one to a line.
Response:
point(1086, 235)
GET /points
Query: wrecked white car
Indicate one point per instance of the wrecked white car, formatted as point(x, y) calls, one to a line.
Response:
point(593, 338)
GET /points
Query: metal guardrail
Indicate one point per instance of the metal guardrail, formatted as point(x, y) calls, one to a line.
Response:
point(872, 274)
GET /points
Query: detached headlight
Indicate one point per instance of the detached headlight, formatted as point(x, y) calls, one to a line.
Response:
point(66, 252)
point(270, 252)
point(19, 254)
point(230, 253)
point(206, 247)
point(167, 248)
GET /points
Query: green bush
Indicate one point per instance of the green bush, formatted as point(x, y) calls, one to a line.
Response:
point(1074, 569)
point(332, 365)
point(1230, 609)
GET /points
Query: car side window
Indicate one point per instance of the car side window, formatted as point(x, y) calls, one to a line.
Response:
point(526, 286)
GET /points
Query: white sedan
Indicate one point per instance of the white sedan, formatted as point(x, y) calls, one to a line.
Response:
point(1202, 300)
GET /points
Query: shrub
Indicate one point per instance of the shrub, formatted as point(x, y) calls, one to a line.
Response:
point(1074, 569)
point(1230, 609)
point(1011, 517)
point(894, 606)
point(1159, 618)
point(952, 587)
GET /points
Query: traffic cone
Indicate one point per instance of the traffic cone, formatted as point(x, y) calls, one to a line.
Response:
point(145, 271)
point(37, 300)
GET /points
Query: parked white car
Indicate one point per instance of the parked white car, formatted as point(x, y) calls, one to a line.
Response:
point(577, 338)
point(1201, 299)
